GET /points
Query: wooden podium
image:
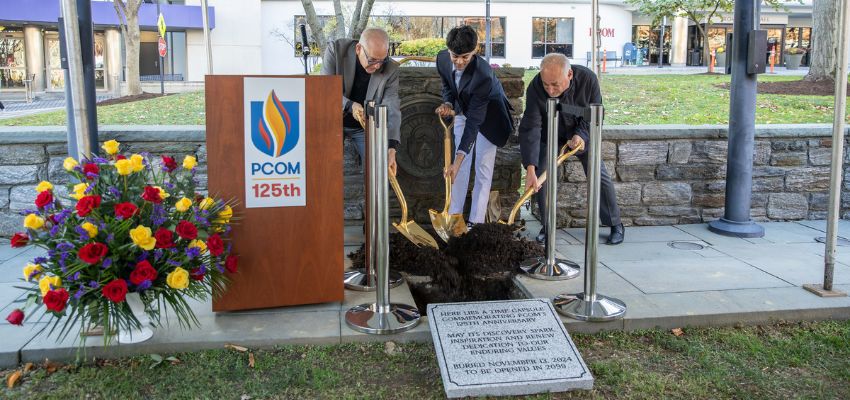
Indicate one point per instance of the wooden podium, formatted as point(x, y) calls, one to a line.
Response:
point(288, 254)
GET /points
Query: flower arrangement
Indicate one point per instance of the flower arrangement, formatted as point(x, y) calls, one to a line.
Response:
point(136, 226)
point(720, 49)
point(795, 50)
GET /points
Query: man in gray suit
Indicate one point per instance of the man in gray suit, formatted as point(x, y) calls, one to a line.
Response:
point(368, 74)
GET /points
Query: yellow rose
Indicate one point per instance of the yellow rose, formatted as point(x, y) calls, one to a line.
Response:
point(226, 212)
point(111, 146)
point(190, 162)
point(206, 203)
point(69, 163)
point(199, 244)
point(79, 190)
point(183, 204)
point(138, 162)
point(44, 185)
point(90, 228)
point(162, 193)
point(33, 221)
point(32, 271)
point(178, 279)
point(142, 237)
point(49, 282)
point(124, 167)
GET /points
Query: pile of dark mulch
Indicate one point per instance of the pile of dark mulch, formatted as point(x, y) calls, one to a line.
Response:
point(474, 267)
point(130, 99)
point(800, 87)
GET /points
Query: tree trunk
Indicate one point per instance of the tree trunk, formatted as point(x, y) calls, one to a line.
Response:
point(131, 47)
point(823, 58)
point(364, 18)
point(340, 19)
point(355, 18)
point(315, 26)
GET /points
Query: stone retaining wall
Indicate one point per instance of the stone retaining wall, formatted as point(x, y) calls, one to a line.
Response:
point(664, 174)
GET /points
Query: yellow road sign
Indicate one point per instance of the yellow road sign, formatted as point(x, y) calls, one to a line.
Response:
point(160, 23)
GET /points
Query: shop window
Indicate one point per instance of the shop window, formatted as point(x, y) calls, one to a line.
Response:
point(552, 35)
point(12, 64)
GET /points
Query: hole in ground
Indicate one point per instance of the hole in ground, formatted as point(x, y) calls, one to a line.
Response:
point(477, 266)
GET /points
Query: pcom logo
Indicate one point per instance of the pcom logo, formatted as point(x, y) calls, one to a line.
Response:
point(274, 125)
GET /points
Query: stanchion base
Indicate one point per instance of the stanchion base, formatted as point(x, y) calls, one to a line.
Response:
point(539, 268)
point(576, 307)
point(818, 290)
point(357, 279)
point(746, 229)
point(367, 319)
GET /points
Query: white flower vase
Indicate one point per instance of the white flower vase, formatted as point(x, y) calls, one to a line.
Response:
point(128, 336)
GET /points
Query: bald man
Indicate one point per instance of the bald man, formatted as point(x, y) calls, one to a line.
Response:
point(368, 73)
point(576, 86)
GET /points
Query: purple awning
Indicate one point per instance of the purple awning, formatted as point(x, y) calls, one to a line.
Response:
point(177, 17)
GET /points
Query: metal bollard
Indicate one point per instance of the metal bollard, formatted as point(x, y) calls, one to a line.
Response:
point(588, 305)
point(363, 279)
point(381, 317)
point(551, 268)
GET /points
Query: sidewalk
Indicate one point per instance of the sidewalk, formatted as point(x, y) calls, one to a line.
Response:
point(670, 70)
point(729, 281)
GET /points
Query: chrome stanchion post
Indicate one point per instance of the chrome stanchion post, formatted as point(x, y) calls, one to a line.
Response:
point(588, 305)
point(364, 279)
point(551, 268)
point(381, 317)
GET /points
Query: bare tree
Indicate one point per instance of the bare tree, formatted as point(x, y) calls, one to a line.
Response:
point(128, 17)
point(356, 25)
point(824, 24)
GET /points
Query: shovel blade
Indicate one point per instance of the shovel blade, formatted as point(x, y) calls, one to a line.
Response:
point(440, 223)
point(413, 232)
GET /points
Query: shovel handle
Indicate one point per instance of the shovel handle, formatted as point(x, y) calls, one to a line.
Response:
point(540, 180)
point(447, 158)
point(400, 195)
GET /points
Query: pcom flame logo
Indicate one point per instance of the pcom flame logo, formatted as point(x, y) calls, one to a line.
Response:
point(274, 125)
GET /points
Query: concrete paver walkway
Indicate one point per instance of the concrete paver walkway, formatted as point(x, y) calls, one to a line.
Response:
point(729, 281)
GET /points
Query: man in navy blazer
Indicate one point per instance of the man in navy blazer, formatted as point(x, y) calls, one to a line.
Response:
point(483, 120)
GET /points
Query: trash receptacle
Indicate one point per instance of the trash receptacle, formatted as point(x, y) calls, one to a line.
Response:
point(694, 58)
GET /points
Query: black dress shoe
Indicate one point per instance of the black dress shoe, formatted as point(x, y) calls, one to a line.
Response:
point(618, 233)
point(541, 237)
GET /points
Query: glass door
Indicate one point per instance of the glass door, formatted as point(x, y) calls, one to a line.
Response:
point(55, 74)
point(12, 65)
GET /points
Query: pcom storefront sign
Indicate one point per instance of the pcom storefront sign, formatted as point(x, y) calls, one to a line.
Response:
point(275, 164)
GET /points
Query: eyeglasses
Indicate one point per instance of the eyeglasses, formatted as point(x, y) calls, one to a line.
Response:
point(372, 61)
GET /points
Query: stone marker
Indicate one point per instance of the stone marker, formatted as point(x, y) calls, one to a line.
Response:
point(513, 347)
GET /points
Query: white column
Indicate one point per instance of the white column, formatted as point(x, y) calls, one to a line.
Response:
point(34, 55)
point(112, 39)
point(679, 47)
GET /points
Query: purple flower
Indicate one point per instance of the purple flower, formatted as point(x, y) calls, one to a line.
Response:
point(39, 260)
point(157, 254)
point(143, 256)
point(80, 292)
point(100, 160)
point(62, 216)
point(145, 285)
point(84, 234)
point(65, 247)
point(109, 238)
point(220, 267)
point(107, 262)
point(74, 277)
point(55, 230)
point(90, 175)
point(193, 252)
point(94, 284)
point(169, 185)
point(114, 191)
point(174, 263)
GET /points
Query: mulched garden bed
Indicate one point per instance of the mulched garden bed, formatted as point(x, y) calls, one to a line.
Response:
point(800, 87)
point(130, 99)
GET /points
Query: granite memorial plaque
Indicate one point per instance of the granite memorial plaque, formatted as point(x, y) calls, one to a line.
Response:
point(511, 347)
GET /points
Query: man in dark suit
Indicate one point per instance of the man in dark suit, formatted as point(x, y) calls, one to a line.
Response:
point(483, 120)
point(575, 86)
point(368, 73)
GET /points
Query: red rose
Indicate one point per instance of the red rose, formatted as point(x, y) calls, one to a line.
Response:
point(168, 164)
point(151, 194)
point(19, 240)
point(92, 253)
point(16, 317)
point(187, 230)
point(120, 157)
point(44, 198)
point(197, 274)
point(215, 245)
point(143, 272)
point(55, 300)
point(125, 210)
point(164, 238)
point(86, 204)
point(230, 264)
point(90, 168)
point(115, 291)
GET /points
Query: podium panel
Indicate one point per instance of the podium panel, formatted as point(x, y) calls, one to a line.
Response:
point(289, 238)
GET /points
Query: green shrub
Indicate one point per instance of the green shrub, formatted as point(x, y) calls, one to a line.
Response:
point(427, 47)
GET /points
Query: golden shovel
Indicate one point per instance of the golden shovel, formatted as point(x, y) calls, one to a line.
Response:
point(540, 180)
point(444, 223)
point(410, 229)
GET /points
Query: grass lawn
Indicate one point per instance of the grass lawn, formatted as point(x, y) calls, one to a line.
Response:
point(630, 100)
point(805, 360)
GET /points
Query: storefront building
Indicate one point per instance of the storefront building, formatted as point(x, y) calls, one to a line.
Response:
point(260, 36)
